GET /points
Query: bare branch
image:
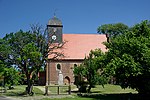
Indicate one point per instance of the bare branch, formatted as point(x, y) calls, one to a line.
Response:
point(55, 50)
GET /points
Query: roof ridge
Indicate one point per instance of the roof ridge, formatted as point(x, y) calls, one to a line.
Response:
point(84, 33)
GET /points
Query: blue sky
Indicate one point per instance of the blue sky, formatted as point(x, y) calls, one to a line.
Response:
point(78, 16)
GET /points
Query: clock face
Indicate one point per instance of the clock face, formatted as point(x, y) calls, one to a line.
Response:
point(54, 37)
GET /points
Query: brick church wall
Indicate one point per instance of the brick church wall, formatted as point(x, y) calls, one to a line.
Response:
point(42, 78)
point(66, 69)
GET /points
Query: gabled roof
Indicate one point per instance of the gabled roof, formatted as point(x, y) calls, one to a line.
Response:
point(78, 46)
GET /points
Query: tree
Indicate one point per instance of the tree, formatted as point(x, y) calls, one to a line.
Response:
point(3, 55)
point(8, 74)
point(91, 69)
point(128, 58)
point(11, 77)
point(112, 29)
point(30, 51)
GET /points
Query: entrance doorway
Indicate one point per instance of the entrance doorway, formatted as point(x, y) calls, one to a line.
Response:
point(67, 80)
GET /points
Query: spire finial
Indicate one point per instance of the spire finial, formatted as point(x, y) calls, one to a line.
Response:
point(55, 12)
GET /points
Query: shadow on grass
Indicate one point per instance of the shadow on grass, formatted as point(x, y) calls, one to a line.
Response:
point(123, 96)
point(22, 93)
point(15, 94)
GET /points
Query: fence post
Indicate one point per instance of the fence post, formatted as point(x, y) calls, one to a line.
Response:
point(58, 90)
point(69, 89)
point(46, 90)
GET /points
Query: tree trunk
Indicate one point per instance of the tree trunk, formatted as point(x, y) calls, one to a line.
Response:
point(89, 89)
point(29, 87)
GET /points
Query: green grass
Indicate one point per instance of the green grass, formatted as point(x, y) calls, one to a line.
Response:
point(20, 90)
point(109, 92)
point(16, 91)
point(1, 89)
point(111, 89)
point(62, 90)
point(37, 91)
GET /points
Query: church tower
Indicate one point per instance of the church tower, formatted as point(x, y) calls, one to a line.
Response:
point(54, 28)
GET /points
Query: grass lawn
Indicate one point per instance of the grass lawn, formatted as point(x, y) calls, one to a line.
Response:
point(62, 89)
point(109, 92)
point(20, 89)
point(111, 89)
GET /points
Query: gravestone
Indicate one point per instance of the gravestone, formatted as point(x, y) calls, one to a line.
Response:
point(60, 78)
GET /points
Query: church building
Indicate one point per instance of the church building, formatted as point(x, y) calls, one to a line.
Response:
point(75, 49)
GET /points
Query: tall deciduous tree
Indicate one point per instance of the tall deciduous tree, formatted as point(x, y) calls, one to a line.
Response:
point(30, 51)
point(91, 69)
point(128, 58)
point(112, 29)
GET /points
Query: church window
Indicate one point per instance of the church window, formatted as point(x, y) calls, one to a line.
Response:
point(75, 65)
point(58, 67)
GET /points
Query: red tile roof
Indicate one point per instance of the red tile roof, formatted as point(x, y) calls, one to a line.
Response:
point(79, 45)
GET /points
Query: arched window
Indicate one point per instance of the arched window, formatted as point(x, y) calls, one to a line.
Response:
point(58, 67)
point(75, 65)
point(67, 80)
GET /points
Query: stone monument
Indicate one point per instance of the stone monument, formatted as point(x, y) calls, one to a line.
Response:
point(60, 78)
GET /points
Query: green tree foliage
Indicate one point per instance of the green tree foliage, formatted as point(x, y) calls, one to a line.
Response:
point(19, 43)
point(4, 53)
point(112, 29)
point(91, 70)
point(29, 52)
point(128, 58)
point(8, 75)
point(11, 77)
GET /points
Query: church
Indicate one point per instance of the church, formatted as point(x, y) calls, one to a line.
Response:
point(76, 48)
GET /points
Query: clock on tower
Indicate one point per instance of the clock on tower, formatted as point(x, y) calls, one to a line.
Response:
point(54, 28)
